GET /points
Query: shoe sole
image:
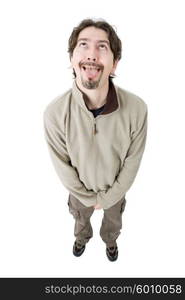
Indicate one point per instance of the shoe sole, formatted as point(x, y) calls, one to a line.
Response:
point(79, 253)
point(110, 257)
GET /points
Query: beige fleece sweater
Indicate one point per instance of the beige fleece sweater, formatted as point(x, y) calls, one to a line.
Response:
point(96, 159)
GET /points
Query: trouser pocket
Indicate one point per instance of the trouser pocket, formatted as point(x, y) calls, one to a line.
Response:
point(123, 206)
point(73, 210)
point(112, 223)
point(83, 229)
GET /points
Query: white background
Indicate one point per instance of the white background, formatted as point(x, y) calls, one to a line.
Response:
point(36, 229)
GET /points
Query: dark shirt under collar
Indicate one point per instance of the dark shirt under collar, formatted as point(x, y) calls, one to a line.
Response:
point(111, 101)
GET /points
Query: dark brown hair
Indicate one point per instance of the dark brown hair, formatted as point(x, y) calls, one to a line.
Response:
point(115, 42)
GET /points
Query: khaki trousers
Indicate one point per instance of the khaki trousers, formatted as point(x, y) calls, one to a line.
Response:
point(111, 223)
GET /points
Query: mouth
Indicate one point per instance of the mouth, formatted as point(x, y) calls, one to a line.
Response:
point(91, 71)
point(89, 68)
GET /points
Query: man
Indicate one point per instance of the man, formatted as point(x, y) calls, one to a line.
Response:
point(96, 135)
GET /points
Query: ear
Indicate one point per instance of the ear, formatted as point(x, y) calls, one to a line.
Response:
point(72, 61)
point(114, 67)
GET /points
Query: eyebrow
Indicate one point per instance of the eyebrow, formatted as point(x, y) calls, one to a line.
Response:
point(99, 41)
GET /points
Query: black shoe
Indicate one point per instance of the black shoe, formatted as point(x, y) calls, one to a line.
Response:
point(112, 253)
point(78, 249)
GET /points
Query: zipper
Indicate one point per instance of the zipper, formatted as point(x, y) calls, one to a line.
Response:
point(95, 130)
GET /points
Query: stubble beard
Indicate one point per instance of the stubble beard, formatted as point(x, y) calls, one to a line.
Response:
point(90, 84)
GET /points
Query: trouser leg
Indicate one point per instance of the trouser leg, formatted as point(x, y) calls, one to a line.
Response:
point(112, 223)
point(83, 229)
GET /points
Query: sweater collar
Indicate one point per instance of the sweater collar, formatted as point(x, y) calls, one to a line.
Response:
point(112, 100)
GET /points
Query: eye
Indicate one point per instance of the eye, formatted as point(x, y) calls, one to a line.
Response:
point(102, 46)
point(82, 44)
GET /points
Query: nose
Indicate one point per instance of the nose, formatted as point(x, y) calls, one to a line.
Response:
point(92, 55)
point(91, 59)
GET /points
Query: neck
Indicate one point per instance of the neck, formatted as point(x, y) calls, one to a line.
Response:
point(94, 98)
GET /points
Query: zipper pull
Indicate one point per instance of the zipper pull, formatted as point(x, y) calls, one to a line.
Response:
point(95, 131)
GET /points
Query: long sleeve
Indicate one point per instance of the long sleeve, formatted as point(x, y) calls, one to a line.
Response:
point(127, 174)
point(67, 173)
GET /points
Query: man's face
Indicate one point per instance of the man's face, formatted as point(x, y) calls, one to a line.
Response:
point(92, 58)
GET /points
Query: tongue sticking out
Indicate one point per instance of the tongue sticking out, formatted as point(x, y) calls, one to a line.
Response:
point(91, 73)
